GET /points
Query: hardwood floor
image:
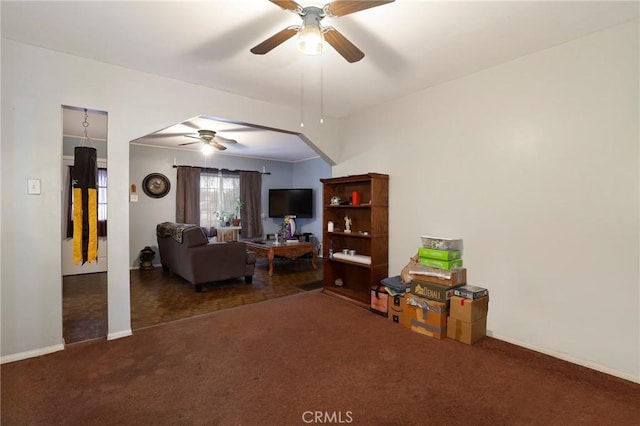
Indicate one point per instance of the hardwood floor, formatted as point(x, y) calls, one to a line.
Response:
point(159, 297)
point(84, 307)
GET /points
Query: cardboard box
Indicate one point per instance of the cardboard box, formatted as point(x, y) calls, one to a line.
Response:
point(441, 264)
point(379, 300)
point(440, 243)
point(471, 292)
point(456, 277)
point(398, 312)
point(432, 291)
point(466, 332)
point(468, 310)
point(427, 317)
point(439, 254)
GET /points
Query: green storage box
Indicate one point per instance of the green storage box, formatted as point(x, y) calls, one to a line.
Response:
point(441, 264)
point(439, 254)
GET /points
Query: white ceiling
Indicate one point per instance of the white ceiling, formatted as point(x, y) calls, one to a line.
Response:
point(409, 45)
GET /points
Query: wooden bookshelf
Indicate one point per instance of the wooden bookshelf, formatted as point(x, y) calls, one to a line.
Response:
point(368, 236)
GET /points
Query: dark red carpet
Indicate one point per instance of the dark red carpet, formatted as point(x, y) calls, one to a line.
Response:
point(304, 359)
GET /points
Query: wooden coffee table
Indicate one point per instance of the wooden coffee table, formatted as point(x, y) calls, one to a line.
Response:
point(288, 250)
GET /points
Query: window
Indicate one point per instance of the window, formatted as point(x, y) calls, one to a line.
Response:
point(102, 204)
point(102, 196)
point(218, 194)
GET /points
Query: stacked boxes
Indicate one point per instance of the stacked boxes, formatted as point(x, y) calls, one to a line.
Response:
point(468, 315)
point(440, 259)
point(397, 291)
point(437, 301)
point(386, 298)
point(438, 272)
point(441, 253)
point(439, 269)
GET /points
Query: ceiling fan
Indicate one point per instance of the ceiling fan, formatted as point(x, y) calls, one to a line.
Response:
point(210, 138)
point(311, 34)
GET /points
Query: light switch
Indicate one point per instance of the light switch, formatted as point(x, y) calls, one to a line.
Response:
point(33, 186)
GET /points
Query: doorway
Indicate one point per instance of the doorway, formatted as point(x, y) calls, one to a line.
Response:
point(84, 286)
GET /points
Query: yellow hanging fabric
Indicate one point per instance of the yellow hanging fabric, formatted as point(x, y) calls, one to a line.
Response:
point(77, 225)
point(85, 205)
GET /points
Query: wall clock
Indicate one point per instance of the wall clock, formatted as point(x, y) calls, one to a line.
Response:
point(156, 185)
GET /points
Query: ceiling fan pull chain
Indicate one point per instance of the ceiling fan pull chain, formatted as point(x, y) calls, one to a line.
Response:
point(301, 92)
point(321, 90)
point(207, 199)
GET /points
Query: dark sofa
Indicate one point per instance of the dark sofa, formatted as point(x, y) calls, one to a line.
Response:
point(186, 250)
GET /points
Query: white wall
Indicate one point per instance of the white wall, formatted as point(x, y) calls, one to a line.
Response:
point(35, 84)
point(534, 164)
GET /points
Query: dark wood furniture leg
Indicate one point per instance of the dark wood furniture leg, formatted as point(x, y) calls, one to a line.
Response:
point(270, 256)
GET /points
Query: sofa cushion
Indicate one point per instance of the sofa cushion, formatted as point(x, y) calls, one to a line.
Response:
point(210, 232)
point(194, 236)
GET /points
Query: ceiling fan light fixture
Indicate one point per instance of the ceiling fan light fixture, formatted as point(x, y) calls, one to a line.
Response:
point(310, 41)
point(207, 148)
point(310, 38)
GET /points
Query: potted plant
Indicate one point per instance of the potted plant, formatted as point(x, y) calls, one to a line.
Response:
point(223, 217)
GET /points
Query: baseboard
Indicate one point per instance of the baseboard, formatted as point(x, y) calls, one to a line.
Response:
point(119, 335)
point(564, 357)
point(136, 267)
point(31, 354)
point(55, 348)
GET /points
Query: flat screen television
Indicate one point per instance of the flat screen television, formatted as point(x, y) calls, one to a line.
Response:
point(297, 202)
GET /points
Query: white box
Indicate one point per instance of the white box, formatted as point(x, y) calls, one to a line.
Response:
point(440, 243)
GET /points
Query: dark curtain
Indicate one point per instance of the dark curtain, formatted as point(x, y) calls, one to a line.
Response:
point(250, 195)
point(102, 203)
point(188, 195)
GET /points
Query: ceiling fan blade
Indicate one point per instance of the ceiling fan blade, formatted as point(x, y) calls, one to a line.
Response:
point(217, 145)
point(188, 143)
point(344, 47)
point(275, 40)
point(287, 4)
point(190, 124)
point(341, 8)
point(225, 140)
point(191, 136)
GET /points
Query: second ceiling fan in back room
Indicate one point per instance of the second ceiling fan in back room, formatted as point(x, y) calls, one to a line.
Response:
point(311, 34)
point(210, 139)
